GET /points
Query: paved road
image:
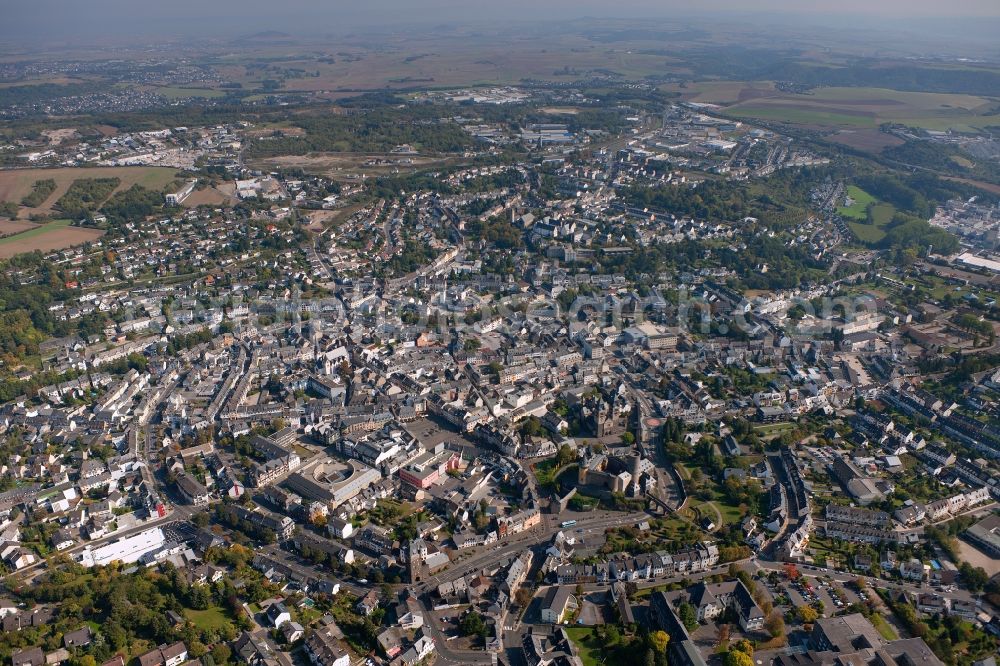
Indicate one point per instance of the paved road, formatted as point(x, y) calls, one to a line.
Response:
point(841, 577)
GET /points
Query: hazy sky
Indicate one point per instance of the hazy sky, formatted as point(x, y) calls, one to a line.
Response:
point(82, 20)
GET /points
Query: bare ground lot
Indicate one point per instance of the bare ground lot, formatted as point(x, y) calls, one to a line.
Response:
point(207, 197)
point(978, 558)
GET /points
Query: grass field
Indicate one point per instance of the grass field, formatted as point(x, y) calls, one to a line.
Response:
point(866, 232)
point(589, 649)
point(15, 184)
point(55, 235)
point(855, 108)
point(773, 429)
point(858, 210)
point(801, 115)
point(882, 214)
point(857, 214)
point(208, 619)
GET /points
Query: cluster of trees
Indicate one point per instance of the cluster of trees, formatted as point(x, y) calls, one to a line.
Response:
point(497, 231)
point(129, 611)
point(18, 336)
point(911, 232)
point(954, 640)
point(414, 255)
point(8, 209)
point(135, 203)
point(40, 191)
point(787, 267)
point(624, 647)
point(375, 131)
point(332, 562)
point(973, 324)
point(85, 195)
point(711, 200)
point(508, 178)
point(27, 319)
point(185, 341)
point(472, 624)
point(740, 654)
point(688, 615)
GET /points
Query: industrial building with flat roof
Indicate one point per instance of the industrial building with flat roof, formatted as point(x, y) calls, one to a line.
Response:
point(126, 550)
point(985, 535)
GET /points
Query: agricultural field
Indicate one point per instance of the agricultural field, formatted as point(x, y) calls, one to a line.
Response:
point(173, 93)
point(15, 184)
point(56, 235)
point(868, 140)
point(11, 227)
point(440, 64)
point(722, 93)
point(855, 109)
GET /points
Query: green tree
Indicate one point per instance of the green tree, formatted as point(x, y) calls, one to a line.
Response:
point(659, 639)
point(688, 615)
point(221, 654)
point(744, 646)
point(737, 658)
point(472, 624)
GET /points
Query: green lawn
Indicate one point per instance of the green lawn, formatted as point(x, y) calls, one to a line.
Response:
point(208, 619)
point(773, 429)
point(730, 514)
point(882, 214)
point(866, 232)
point(589, 649)
point(858, 210)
